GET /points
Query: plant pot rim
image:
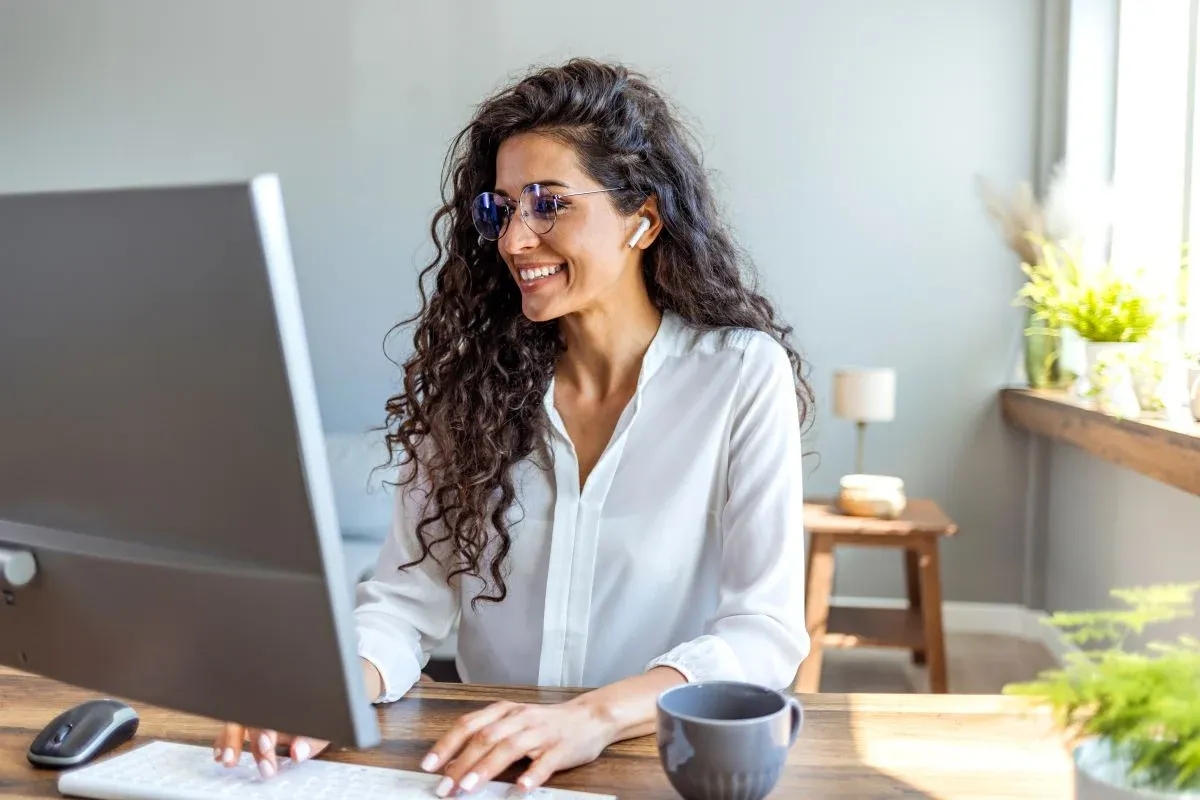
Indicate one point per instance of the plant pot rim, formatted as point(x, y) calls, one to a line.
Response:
point(1088, 745)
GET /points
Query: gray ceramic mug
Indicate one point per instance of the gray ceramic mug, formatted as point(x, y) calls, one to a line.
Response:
point(725, 740)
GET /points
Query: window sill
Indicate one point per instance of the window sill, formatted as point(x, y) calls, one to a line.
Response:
point(1166, 450)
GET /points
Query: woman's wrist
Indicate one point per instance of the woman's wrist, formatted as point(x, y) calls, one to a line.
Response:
point(627, 708)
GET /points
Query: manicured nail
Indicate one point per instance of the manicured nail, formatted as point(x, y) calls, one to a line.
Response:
point(216, 754)
point(429, 763)
point(228, 757)
point(302, 750)
point(443, 788)
point(264, 744)
point(468, 782)
point(526, 783)
point(265, 769)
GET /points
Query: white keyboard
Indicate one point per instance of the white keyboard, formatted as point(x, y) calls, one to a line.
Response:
point(170, 771)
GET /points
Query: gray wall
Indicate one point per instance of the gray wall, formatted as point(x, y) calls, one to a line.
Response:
point(1109, 527)
point(845, 136)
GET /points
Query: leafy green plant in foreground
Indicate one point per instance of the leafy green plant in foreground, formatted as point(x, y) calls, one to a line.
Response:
point(1147, 704)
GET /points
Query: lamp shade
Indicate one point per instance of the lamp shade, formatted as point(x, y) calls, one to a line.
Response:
point(865, 395)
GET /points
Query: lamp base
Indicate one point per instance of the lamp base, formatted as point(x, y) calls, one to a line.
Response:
point(879, 496)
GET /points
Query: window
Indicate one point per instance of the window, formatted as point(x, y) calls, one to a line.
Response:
point(1190, 277)
point(1147, 109)
point(1153, 141)
point(1150, 138)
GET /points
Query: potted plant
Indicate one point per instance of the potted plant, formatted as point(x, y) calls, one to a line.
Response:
point(1074, 208)
point(1133, 717)
point(1107, 311)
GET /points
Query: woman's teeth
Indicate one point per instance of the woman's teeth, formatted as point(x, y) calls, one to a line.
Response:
point(540, 272)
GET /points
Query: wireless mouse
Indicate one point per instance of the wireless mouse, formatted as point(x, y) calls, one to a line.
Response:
point(79, 734)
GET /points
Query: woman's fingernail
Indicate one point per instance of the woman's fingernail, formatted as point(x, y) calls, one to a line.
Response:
point(216, 754)
point(302, 750)
point(444, 787)
point(264, 744)
point(468, 782)
point(430, 762)
point(526, 783)
point(265, 769)
point(228, 757)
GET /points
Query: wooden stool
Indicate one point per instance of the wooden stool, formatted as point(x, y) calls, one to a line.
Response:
point(917, 628)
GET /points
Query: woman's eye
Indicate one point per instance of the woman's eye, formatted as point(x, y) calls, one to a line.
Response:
point(545, 205)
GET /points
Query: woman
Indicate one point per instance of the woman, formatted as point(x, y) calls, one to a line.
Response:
point(600, 432)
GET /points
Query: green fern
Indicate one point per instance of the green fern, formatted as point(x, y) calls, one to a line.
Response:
point(1147, 704)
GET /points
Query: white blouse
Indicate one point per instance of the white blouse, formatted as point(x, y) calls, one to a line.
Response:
point(684, 548)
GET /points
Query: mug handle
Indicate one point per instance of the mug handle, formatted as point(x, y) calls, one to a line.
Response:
point(797, 711)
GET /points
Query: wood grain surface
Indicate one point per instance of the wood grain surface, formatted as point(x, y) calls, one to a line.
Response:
point(853, 746)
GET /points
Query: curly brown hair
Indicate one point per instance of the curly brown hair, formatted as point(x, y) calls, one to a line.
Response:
point(472, 403)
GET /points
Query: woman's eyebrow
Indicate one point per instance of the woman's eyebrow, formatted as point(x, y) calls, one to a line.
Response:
point(548, 182)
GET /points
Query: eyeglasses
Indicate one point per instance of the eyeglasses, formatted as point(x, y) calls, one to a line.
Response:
point(538, 206)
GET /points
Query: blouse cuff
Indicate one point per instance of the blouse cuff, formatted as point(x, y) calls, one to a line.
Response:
point(398, 666)
point(707, 658)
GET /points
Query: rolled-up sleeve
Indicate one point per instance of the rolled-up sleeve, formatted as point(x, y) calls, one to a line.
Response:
point(758, 631)
point(402, 615)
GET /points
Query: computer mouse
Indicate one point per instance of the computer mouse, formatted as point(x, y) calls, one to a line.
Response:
point(82, 733)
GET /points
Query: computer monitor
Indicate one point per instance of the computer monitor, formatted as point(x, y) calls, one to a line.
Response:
point(162, 460)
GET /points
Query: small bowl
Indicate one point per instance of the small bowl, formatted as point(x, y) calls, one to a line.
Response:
point(880, 496)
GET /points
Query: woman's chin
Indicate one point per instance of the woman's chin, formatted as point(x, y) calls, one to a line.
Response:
point(544, 306)
point(539, 311)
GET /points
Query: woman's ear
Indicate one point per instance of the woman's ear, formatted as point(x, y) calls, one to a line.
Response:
point(645, 225)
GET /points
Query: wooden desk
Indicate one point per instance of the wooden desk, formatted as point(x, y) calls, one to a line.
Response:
point(853, 746)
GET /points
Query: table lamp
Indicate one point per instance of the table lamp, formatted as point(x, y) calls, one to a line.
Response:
point(864, 396)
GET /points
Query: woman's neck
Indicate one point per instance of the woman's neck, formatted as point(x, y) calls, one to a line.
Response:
point(605, 346)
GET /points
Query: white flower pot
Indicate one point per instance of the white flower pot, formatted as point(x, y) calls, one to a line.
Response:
point(1110, 370)
point(1194, 392)
point(1100, 775)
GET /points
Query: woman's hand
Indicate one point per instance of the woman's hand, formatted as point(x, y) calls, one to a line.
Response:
point(483, 744)
point(227, 748)
point(554, 737)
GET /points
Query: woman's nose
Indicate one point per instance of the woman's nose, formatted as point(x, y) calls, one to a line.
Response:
point(518, 238)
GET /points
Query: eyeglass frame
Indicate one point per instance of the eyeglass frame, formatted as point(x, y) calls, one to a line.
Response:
point(508, 200)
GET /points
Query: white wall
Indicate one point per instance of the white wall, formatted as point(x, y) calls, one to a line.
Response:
point(846, 137)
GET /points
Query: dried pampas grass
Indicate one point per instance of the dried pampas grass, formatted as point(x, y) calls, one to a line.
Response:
point(1019, 216)
point(1076, 210)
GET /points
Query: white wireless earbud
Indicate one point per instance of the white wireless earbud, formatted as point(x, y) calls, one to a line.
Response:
point(642, 227)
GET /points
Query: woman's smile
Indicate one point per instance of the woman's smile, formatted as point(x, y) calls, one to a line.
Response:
point(533, 276)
